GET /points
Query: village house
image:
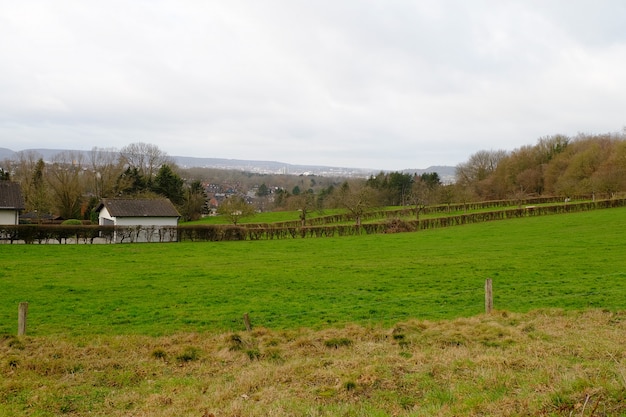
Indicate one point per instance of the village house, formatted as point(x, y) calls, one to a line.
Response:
point(140, 220)
point(11, 202)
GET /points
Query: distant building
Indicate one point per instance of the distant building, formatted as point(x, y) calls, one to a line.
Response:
point(140, 220)
point(11, 202)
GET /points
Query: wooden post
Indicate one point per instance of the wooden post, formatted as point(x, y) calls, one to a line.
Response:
point(246, 321)
point(21, 319)
point(488, 296)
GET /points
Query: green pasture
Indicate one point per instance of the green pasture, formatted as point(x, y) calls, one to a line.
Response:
point(570, 261)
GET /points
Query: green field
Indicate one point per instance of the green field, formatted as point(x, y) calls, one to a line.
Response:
point(572, 261)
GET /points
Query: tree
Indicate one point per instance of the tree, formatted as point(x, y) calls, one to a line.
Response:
point(357, 198)
point(263, 191)
point(65, 179)
point(146, 158)
point(400, 187)
point(476, 171)
point(38, 198)
point(195, 204)
point(169, 184)
point(422, 191)
point(304, 203)
point(431, 179)
point(131, 182)
point(235, 208)
point(106, 169)
point(611, 175)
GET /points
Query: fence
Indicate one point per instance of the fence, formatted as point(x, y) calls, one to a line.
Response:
point(288, 230)
point(381, 312)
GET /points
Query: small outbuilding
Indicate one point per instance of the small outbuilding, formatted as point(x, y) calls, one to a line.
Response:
point(11, 202)
point(140, 220)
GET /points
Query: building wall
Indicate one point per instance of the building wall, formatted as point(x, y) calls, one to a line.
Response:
point(146, 221)
point(104, 214)
point(141, 229)
point(9, 217)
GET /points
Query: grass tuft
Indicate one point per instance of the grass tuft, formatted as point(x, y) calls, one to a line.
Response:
point(190, 354)
point(337, 342)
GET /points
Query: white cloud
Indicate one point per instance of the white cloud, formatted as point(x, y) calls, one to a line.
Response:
point(370, 83)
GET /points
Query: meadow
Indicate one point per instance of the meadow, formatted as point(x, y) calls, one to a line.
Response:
point(375, 325)
point(573, 261)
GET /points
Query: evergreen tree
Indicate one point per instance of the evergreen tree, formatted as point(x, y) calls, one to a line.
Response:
point(169, 184)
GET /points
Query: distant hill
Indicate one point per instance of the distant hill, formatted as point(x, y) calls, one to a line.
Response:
point(446, 173)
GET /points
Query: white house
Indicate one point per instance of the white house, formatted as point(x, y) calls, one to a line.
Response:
point(140, 220)
point(11, 202)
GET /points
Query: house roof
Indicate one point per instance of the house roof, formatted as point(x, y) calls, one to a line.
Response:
point(11, 196)
point(139, 207)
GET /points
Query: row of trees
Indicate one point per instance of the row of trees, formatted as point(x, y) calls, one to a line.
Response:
point(556, 165)
point(71, 185)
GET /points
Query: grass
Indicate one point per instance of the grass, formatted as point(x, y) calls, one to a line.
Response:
point(267, 217)
point(544, 363)
point(573, 261)
point(380, 325)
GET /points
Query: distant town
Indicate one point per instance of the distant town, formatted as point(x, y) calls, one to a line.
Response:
point(446, 173)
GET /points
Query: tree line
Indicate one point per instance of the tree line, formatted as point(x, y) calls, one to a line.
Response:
point(558, 165)
point(72, 184)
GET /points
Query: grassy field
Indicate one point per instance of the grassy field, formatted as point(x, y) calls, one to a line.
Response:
point(573, 261)
point(545, 363)
point(379, 325)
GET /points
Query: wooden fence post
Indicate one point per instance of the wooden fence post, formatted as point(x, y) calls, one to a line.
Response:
point(246, 321)
point(488, 296)
point(21, 319)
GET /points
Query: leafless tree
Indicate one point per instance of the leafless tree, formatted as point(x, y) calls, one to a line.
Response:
point(357, 198)
point(106, 167)
point(147, 158)
point(66, 177)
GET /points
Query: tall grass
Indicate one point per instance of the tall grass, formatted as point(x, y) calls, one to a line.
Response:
point(573, 261)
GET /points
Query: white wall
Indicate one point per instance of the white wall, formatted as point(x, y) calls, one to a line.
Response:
point(149, 227)
point(8, 217)
point(146, 221)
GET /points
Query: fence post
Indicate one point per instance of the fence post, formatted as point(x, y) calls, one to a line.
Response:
point(21, 319)
point(246, 321)
point(488, 296)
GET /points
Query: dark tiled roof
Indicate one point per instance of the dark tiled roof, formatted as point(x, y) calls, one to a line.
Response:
point(11, 196)
point(139, 208)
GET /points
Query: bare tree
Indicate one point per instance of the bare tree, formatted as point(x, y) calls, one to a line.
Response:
point(106, 168)
point(145, 157)
point(357, 198)
point(420, 196)
point(65, 177)
point(304, 203)
point(479, 166)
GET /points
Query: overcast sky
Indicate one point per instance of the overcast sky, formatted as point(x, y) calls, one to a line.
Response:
point(383, 84)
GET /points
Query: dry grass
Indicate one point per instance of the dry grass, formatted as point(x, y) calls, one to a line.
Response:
point(545, 363)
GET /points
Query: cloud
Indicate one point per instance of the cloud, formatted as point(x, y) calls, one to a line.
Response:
point(382, 84)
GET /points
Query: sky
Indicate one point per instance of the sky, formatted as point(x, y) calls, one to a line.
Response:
point(382, 84)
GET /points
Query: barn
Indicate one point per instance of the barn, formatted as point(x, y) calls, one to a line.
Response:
point(140, 220)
